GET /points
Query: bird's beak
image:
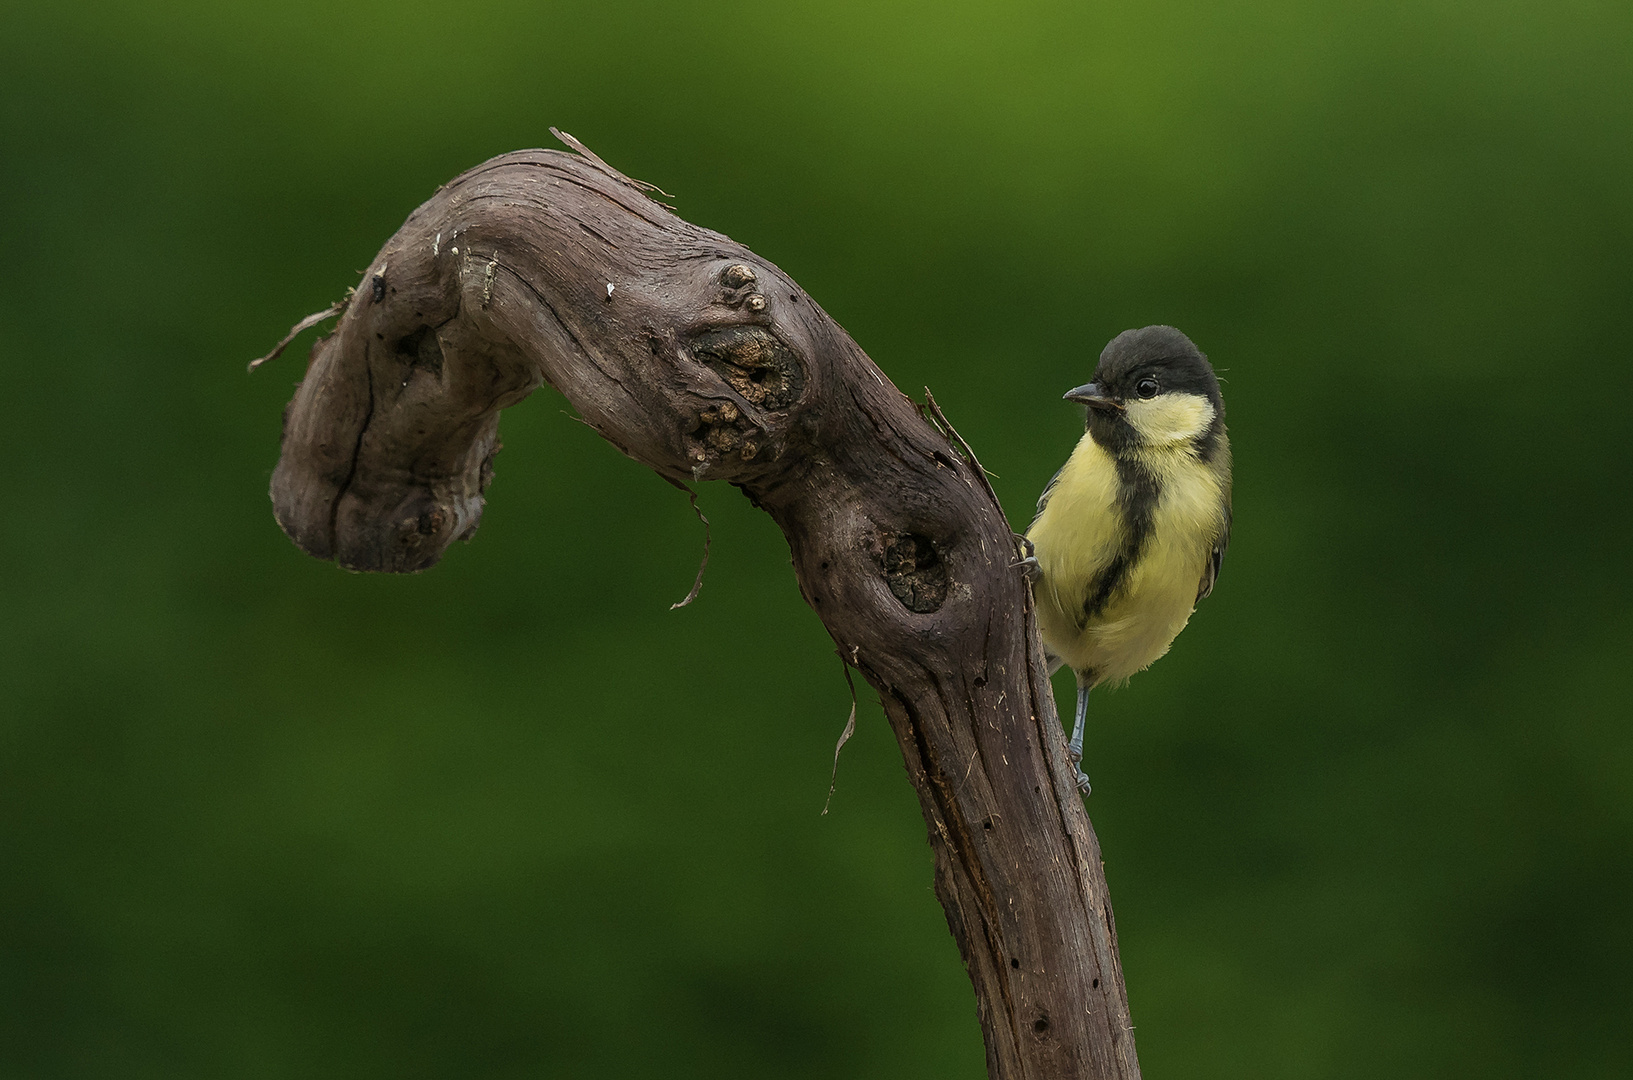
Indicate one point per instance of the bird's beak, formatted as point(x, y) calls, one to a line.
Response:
point(1089, 394)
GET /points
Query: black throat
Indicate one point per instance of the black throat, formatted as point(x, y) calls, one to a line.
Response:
point(1137, 492)
point(1112, 430)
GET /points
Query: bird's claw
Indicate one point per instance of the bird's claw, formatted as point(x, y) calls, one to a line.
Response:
point(1075, 753)
point(1028, 564)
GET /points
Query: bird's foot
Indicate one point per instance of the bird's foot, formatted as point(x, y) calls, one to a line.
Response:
point(1076, 755)
point(1028, 565)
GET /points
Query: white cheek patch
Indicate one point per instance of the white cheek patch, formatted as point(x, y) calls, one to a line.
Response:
point(1170, 418)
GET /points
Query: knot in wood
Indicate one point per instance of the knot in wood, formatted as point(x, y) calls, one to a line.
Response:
point(736, 276)
point(427, 523)
point(915, 573)
point(724, 429)
point(752, 360)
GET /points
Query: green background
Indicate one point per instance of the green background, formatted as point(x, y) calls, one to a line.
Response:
point(513, 817)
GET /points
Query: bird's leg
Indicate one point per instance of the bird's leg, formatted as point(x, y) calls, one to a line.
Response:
point(1028, 565)
point(1075, 747)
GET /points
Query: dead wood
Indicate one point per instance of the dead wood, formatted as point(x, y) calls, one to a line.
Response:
point(703, 361)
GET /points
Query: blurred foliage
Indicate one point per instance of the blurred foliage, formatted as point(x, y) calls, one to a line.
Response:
point(514, 817)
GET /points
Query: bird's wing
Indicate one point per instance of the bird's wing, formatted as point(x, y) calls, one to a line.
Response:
point(1216, 559)
point(1048, 489)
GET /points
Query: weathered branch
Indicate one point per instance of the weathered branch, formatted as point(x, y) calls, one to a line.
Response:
point(703, 361)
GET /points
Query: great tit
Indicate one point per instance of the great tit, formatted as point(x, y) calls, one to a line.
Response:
point(1131, 532)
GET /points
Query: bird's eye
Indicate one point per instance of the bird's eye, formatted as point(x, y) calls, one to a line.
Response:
point(1146, 387)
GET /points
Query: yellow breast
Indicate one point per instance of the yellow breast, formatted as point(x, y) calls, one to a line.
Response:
point(1074, 538)
point(1078, 534)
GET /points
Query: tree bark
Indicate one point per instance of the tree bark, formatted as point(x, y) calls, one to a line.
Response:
point(703, 361)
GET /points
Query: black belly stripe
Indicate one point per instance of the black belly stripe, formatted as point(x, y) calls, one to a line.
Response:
point(1137, 493)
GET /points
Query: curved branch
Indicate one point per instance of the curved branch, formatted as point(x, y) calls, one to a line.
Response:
point(703, 361)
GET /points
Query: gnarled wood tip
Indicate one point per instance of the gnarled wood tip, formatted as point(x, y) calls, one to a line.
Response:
point(537, 266)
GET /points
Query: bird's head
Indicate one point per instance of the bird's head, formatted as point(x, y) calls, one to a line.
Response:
point(1152, 388)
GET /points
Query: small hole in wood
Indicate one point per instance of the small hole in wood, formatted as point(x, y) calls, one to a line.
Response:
point(915, 573)
point(421, 349)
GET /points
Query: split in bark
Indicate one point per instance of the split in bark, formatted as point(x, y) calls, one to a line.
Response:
point(703, 361)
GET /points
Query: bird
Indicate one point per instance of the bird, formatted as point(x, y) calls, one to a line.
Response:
point(1130, 533)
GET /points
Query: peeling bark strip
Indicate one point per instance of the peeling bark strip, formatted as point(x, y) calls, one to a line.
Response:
point(701, 360)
